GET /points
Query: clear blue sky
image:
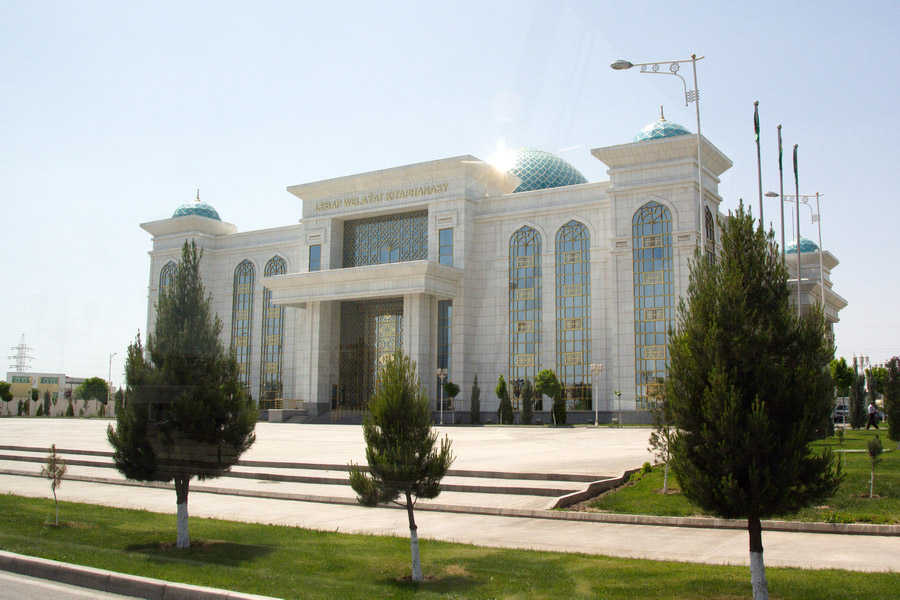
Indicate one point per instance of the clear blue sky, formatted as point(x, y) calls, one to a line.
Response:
point(114, 113)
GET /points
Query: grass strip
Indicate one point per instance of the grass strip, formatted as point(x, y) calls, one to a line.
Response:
point(290, 562)
point(851, 504)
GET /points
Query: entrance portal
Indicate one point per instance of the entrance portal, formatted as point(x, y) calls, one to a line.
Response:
point(371, 331)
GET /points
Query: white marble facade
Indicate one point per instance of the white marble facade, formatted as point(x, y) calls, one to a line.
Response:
point(478, 203)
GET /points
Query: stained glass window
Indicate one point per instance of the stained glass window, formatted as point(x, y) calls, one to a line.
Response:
point(653, 295)
point(573, 314)
point(524, 308)
point(710, 231)
point(167, 276)
point(271, 381)
point(241, 317)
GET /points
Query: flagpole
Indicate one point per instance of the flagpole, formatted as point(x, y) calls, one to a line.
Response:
point(799, 251)
point(758, 162)
point(781, 189)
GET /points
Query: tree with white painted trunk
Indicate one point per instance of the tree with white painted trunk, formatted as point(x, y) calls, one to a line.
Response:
point(748, 385)
point(401, 449)
point(54, 470)
point(187, 413)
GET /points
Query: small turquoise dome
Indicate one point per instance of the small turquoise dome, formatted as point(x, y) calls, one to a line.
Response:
point(660, 129)
point(541, 170)
point(196, 207)
point(805, 246)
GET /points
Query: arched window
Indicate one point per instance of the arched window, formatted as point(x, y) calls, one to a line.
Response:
point(271, 381)
point(653, 297)
point(573, 314)
point(241, 314)
point(710, 231)
point(524, 307)
point(167, 276)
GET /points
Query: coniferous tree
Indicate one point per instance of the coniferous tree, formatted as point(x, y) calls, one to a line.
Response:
point(527, 402)
point(54, 470)
point(857, 400)
point(892, 399)
point(874, 447)
point(748, 386)
point(475, 403)
point(400, 448)
point(187, 415)
point(505, 411)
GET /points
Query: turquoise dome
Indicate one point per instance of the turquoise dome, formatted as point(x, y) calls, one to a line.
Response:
point(805, 246)
point(541, 170)
point(660, 129)
point(196, 207)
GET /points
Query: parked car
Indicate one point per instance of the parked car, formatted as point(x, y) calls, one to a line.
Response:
point(841, 413)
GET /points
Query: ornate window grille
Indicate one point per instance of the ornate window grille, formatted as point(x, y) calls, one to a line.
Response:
point(524, 306)
point(653, 295)
point(386, 239)
point(242, 316)
point(167, 276)
point(271, 380)
point(573, 313)
point(710, 231)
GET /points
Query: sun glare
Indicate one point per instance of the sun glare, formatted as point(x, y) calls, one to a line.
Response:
point(502, 158)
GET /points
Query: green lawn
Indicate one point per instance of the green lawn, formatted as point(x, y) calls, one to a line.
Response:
point(850, 505)
point(295, 563)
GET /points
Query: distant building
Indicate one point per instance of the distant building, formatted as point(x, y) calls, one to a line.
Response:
point(57, 384)
point(815, 283)
point(468, 267)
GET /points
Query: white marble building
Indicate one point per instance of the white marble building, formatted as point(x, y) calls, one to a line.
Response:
point(466, 266)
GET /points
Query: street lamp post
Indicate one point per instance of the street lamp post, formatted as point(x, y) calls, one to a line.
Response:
point(596, 369)
point(442, 373)
point(618, 394)
point(109, 377)
point(653, 68)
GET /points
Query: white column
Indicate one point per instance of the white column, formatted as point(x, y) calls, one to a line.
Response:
point(417, 338)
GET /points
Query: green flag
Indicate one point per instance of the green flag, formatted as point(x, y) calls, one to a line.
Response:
point(796, 178)
point(780, 151)
point(756, 120)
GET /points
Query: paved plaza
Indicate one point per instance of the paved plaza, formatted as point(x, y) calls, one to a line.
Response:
point(586, 451)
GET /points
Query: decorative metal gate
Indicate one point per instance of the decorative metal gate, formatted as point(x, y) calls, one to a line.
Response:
point(371, 331)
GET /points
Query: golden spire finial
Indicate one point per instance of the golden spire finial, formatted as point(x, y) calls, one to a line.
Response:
point(662, 117)
point(197, 199)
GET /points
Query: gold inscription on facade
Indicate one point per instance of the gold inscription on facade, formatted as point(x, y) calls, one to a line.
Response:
point(377, 197)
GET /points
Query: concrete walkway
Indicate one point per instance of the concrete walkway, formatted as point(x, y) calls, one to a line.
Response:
point(600, 451)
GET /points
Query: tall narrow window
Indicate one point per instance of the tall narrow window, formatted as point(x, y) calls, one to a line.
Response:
point(241, 313)
point(653, 297)
point(315, 257)
point(710, 231)
point(524, 307)
point(271, 382)
point(573, 314)
point(167, 276)
point(444, 333)
point(445, 247)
